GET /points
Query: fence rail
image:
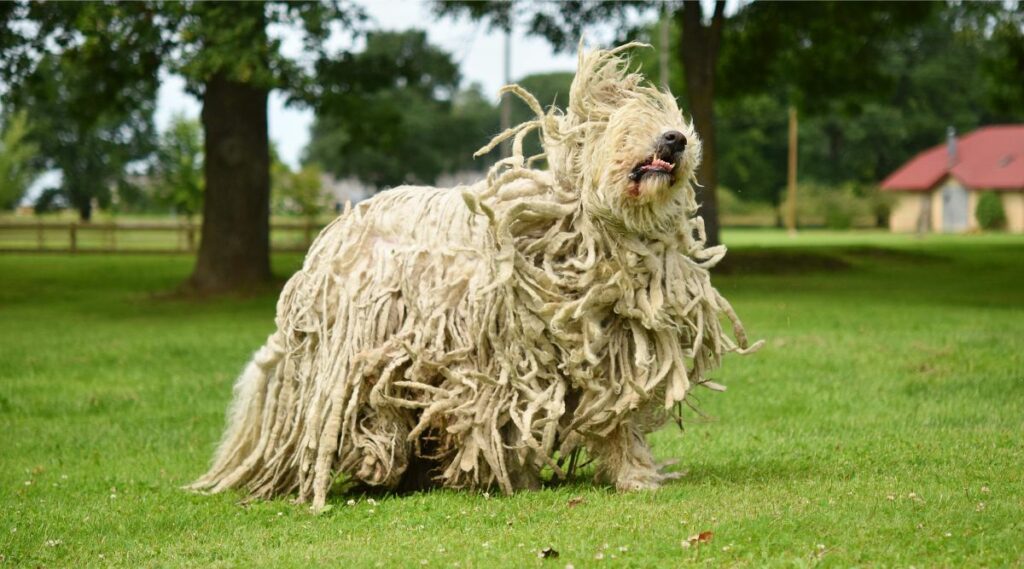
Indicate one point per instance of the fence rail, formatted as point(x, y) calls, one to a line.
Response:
point(133, 237)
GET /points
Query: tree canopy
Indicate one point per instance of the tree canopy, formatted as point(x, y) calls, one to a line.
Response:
point(802, 49)
point(227, 57)
point(394, 114)
point(90, 143)
point(932, 76)
point(86, 76)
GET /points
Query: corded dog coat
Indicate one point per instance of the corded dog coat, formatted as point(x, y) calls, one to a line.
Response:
point(483, 333)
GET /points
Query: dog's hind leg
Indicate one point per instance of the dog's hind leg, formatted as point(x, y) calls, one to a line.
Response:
point(624, 459)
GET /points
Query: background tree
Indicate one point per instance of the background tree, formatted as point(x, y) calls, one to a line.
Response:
point(90, 143)
point(393, 113)
point(17, 156)
point(932, 75)
point(1004, 60)
point(86, 75)
point(807, 48)
point(228, 59)
point(177, 172)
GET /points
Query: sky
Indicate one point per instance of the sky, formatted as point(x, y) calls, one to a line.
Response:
point(478, 51)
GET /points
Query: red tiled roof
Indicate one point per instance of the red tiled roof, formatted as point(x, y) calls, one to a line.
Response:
point(990, 158)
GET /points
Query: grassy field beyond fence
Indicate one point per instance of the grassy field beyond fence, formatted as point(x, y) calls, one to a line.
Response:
point(151, 236)
point(881, 425)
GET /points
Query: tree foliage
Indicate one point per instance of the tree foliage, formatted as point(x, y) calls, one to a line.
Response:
point(394, 114)
point(817, 53)
point(177, 172)
point(91, 146)
point(298, 193)
point(936, 72)
point(17, 159)
point(86, 75)
point(813, 54)
point(227, 56)
point(563, 24)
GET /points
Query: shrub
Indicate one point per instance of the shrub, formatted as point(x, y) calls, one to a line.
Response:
point(842, 207)
point(837, 207)
point(737, 208)
point(990, 213)
point(879, 203)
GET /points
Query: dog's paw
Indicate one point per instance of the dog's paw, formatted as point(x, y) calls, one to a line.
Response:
point(665, 475)
point(635, 479)
point(646, 478)
point(373, 472)
point(635, 484)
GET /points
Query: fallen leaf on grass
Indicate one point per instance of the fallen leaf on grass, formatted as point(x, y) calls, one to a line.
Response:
point(698, 538)
point(575, 501)
point(547, 552)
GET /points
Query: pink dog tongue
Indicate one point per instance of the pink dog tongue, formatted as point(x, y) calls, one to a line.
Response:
point(658, 164)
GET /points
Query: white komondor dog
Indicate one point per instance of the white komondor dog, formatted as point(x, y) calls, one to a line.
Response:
point(475, 336)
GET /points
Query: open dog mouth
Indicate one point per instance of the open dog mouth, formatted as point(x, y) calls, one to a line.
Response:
point(653, 165)
point(668, 151)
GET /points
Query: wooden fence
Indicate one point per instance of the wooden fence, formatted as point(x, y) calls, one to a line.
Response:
point(132, 237)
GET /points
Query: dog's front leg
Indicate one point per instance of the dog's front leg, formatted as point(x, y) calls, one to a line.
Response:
point(624, 459)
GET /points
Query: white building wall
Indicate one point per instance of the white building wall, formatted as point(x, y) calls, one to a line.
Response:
point(905, 212)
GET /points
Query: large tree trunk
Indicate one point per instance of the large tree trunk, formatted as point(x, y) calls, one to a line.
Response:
point(78, 197)
point(234, 252)
point(699, 49)
point(85, 211)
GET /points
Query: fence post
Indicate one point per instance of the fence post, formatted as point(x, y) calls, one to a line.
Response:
point(73, 228)
point(39, 235)
point(190, 236)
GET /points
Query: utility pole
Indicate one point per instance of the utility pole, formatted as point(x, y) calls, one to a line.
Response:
point(791, 178)
point(506, 99)
point(663, 49)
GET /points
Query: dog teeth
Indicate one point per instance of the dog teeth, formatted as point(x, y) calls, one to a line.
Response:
point(659, 165)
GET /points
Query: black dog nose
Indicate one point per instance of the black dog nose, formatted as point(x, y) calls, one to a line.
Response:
point(674, 140)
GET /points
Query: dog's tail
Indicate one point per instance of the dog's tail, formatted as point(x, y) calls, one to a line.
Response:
point(236, 461)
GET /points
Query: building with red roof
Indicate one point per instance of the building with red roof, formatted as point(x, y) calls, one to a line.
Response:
point(938, 189)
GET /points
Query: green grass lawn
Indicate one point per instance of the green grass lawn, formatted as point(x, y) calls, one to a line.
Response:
point(882, 424)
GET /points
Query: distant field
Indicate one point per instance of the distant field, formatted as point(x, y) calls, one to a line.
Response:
point(22, 232)
point(880, 426)
point(136, 233)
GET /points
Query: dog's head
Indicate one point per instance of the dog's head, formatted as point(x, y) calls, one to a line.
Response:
point(624, 146)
